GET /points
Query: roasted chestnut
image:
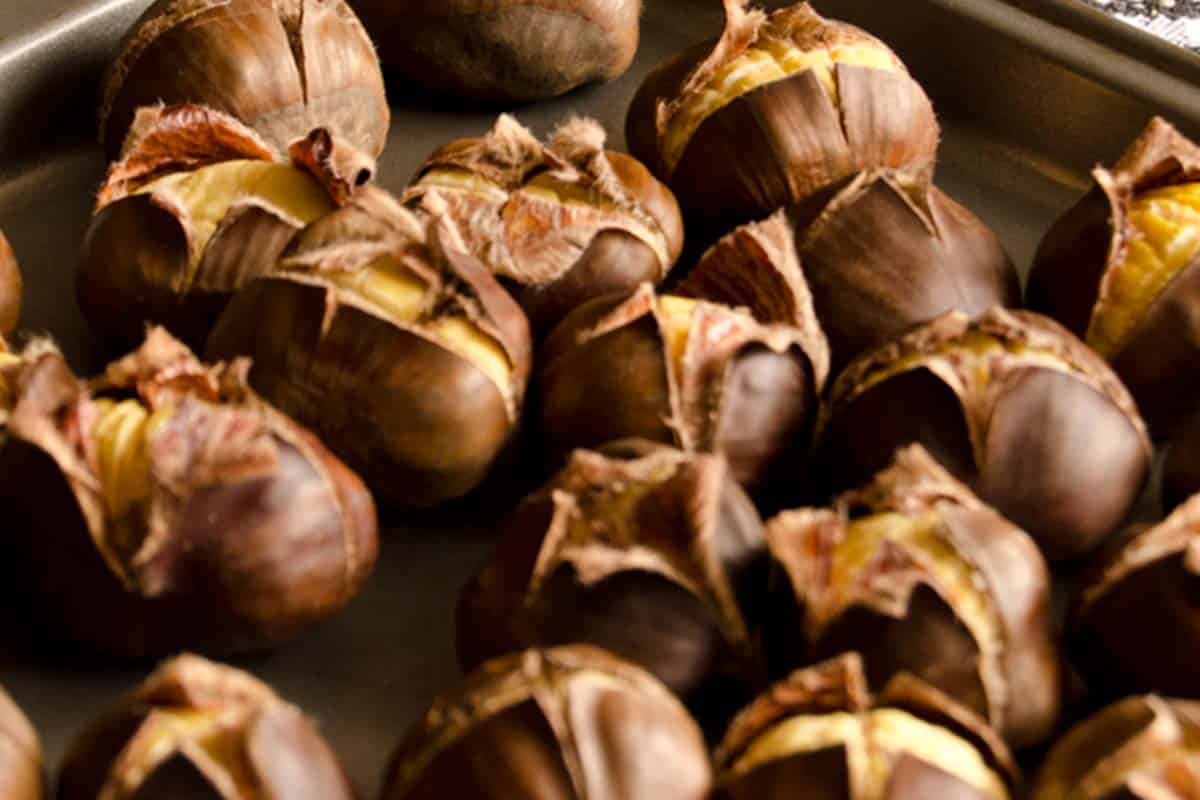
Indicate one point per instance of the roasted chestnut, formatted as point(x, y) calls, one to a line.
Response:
point(383, 335)
point(651, 553)
point(783, 106)
point(199, 206)
point(888, 252)
point(20, 754)
point(820, 733)
point(283, 67)
point(557, 724)
point(558, 223)
point(1139, 607)
point(10, 288)
point(698, 375)
point(164, 505)
point(915, 573)
point(1121, 269)
point(510, 51)
point(1181, 469)
point(1142, 748)
point(1011, 404)
point(197, 729)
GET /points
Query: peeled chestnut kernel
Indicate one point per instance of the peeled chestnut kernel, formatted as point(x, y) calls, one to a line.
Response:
point(820, 733)
point(1122, 270)
point(20, 754)
point(385, 337)
point(783, 106)
point(559, 223)
point(1181, 470)
point(915, 573)
point(196, 729)
point(646, 551)
point(558, 724)
point(10, 288)
point(699, 375)
point(1011, 404)
point(282, 67)
point(510, 51)
point(1142, 748)
point(165, 505)
point(1136, 625)
point(199, 206)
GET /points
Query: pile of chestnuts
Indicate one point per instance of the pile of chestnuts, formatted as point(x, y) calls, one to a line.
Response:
point(806, 483)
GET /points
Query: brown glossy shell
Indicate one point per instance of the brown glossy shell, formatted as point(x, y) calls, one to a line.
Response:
point(1181, 470)
point(252, 532)
point(420, 423)
point(641, 549)
point(511, 51)
point(741, 388)
point(10, 288)
point(1056, 445)
point(555, 724)
point(20, 754)
point(276, 750)
point(1160, 360)
point(283, 67)
point(897, 613)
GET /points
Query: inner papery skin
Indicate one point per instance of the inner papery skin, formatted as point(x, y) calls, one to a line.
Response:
point(1163, 239)
point(390, 286)
point(872, 741)
point(461, 180)
point(771, 59)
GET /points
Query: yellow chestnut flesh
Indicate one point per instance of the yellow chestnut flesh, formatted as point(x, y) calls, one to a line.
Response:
point(461, 180)
point(122, 434)
point(170, 730)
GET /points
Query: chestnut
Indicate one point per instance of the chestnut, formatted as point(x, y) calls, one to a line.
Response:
point(164, 505)
point(198, 729)
point(555, 724)
point(1136, 626)
point(1121, 269)
point(282, 68)
point(889, 251)
point(783, 106)
point(821, 733)
point(20, 754)
point(199, 205)
point(10, 288)
point(384, 336)
point(509, 51)
point(1011, 404)
point(686, 372)
point(918, 575)
point(559, 223)
point(1181, 468)
point(649, 552)
point(1141, 748)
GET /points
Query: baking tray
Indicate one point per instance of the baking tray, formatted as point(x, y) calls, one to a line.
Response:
point(1031, 93)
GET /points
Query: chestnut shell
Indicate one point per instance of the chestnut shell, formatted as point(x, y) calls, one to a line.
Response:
point(1181, 469)
point(20, 754)
point(10, 288)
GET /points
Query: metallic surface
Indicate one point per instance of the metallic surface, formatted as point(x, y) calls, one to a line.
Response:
point(1028, 105)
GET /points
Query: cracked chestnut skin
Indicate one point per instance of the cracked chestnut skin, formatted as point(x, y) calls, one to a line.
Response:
point(20, 754)
point(197, 729)
point(511, 51)
point(1081, 276)
point(238, 531)
point(1011, 404)
point(693, 374)
point(892, 754)
point(1141, 748)
point(10, 288)
point(283, 67)
point(985, 638)
point(794, 135)
point(611, 226)
point(555, 724)
point(1136, 622)
point(656, 555)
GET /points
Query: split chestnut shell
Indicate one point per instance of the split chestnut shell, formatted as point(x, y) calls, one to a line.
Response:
point(917, 575)
point(20, 754)
point(1011, 404)
point(555, 724)
point(783, 106)
point(282, 67)
point(397, 347)
point(197, 729)
point(10, 288)
point(165, 506)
